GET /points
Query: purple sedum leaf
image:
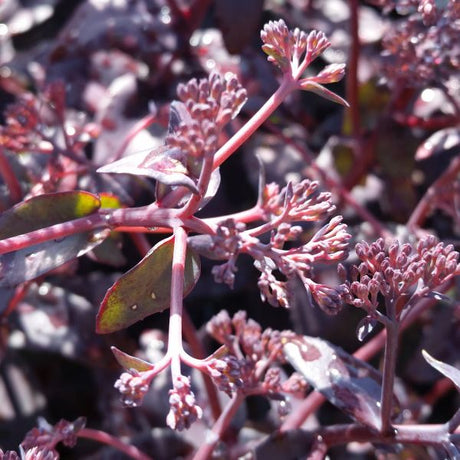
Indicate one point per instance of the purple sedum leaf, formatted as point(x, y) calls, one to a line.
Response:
point(308, 85)
point(349, 383)
point(29, 263)
point(145, 289)
point(162, 164)
point(445, 369)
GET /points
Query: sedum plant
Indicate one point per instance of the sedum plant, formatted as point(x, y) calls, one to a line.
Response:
point(391, 282)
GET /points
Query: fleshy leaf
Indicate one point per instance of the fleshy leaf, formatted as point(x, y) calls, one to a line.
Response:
point(316, 88)
point(130, 362)
point(45, 210)
point(28, 263)
point(445, 369)
point(162, 164)
point(145, 289)
point(350, 384)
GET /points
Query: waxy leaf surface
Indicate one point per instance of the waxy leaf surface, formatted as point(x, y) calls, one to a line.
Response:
point(145, 289)
point(45, 210)
point(29, 263)
point(349, 383)
point(445, 369)
point(40, 212)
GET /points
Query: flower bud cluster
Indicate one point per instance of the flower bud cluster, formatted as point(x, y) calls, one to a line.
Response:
point(246, 360)
point(399, 269)
point(40, 442)
point(329, 244)
point(418, 50)
point(226, 244)
point(133, 386)
point(183, 408)
point(22, 119)
point(301, 202)
point(286, 49)
point(217, 98)
point(226, 373)
point(9, 455)
point(209, 104)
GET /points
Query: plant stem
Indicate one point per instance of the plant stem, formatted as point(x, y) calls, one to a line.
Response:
point(177, 293)
point(57, 231)
point(105, 438)
point(315, 399)
point(206, 449)
point(243, 134)
point(420, 213)
point(352, 82)
point(389, 366)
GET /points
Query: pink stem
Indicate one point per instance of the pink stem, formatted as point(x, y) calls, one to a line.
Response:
point(217, 431)
point(105, 438)
point(177, 292)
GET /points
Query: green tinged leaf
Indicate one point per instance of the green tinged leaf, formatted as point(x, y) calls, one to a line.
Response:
point(145, 289)
point(45, 210)
point(130, 362)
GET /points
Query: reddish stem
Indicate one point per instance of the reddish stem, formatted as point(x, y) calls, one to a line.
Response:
point(105, 438)
point(219, 428)
point(314, 400)
point(421, 211)
point(352, 82)
point(177, 293)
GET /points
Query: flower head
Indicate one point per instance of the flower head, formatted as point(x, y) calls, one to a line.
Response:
point(133, 386)
point(183, 409)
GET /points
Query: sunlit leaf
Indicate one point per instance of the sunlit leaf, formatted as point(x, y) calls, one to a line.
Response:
point(324, 92)
point(45, 210)
point(349, 383)
point(447, 370)
point(145, 289)
point(130, 362)
point(162, 164)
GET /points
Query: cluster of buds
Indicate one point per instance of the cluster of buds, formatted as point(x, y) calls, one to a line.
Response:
point(35, 453)
point(249, 358)
point(183, 408)
point(289, 49)
point(207, 105)
point(301, 202)
point(40, 443)
point(398, 272)
point(226, 244)
point(22, 119)
point(419, 50)
point(293, 51)
point(329, 244)
point(133, 386)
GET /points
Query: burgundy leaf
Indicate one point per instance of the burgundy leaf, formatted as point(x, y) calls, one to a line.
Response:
point(29, 263)
point(350, 384)
point(445, 369)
